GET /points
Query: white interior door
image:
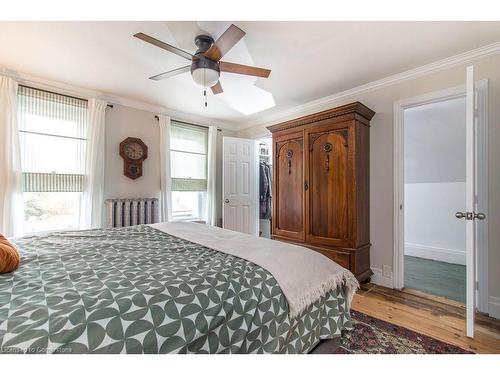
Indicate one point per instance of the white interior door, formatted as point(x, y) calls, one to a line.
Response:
point(240, 182)
point(470, 215)
point(470, 194)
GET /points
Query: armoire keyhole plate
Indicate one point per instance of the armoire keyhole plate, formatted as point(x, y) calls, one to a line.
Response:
point(289, 155)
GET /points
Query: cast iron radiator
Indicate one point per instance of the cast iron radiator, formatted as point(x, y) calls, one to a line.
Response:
point(126, 212)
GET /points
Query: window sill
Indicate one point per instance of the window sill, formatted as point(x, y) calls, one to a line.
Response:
point(52, 231)
point(189, 219)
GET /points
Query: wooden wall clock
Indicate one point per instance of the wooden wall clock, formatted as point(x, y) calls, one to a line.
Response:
point(133, 151)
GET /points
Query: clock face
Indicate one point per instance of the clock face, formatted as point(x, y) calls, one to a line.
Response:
point(134, 151)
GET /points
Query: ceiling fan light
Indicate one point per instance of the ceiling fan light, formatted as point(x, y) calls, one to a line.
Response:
point(205, 77)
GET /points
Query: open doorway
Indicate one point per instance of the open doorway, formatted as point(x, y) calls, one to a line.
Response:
point(434, 189)
point(265, 185)
point(430, 188)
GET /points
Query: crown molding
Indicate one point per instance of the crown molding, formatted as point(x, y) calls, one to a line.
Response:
point(265, 120)
point(85, 93)
point(331, 100)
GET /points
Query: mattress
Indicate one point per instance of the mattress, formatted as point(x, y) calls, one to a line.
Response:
point(140, 290)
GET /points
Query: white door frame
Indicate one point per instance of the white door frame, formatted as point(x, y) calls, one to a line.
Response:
point(482, 182)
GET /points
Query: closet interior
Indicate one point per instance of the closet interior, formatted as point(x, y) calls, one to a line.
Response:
point(265, 186)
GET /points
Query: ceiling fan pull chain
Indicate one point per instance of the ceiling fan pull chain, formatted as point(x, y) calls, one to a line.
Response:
point(205, 86)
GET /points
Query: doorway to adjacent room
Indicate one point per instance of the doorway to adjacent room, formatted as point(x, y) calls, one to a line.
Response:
point(431, 188)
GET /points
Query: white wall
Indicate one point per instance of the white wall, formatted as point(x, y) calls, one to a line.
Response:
point(434, 142)
point(123, 122)
point(381, 158)
point(431, 229)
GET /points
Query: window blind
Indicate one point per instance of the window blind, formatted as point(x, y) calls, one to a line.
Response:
point(188, 157)
point(53, 137)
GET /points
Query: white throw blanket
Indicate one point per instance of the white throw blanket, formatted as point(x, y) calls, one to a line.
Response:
point(303, 275)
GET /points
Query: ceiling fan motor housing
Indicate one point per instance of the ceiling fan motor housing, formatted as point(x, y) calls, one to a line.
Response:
point(203, 62)
point(203, 42)
point(205, 72)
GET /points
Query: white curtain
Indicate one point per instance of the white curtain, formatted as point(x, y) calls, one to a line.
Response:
point(211, 210)
point(11, 197)
point(93, 190)
point(165, 179)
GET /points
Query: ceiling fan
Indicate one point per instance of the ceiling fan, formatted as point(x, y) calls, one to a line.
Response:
point(206, 63)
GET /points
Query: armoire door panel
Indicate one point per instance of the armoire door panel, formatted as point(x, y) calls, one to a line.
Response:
point(289, 218)
point(329, 181)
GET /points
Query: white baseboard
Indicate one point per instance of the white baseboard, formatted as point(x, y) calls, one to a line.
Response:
point(379, 278)
point(435, 253)
point(494, 307)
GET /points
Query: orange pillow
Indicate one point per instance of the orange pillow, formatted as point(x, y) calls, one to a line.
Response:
point(9, 257)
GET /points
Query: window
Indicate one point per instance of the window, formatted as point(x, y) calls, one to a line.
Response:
point(188, 169)
point(53, 138)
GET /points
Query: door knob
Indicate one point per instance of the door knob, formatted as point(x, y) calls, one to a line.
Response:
point(226, 200)
point(479, 216)
point(470, 215)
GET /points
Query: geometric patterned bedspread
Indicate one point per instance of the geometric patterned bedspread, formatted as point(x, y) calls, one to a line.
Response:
point(140, 290)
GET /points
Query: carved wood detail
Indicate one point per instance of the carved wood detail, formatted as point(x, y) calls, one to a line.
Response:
point(344, 133)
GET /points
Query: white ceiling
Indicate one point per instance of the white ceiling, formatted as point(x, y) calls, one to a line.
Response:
point(309, 60)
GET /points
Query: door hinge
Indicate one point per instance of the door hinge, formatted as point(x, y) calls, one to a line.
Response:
point(477, 285)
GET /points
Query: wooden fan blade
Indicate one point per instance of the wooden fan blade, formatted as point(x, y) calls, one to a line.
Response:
point(164, 45)
point(171, 73)
point(217, 88)
point(226, 41)
point(243, 69)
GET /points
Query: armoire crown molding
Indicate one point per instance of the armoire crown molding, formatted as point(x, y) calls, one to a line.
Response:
point(351, 108)
point(334, 99)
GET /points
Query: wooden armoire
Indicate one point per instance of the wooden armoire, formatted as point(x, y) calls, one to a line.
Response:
point(321, 180)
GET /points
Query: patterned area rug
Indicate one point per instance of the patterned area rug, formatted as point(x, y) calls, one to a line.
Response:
point(375, 336)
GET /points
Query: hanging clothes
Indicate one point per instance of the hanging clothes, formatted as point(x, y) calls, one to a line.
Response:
point(265, 190)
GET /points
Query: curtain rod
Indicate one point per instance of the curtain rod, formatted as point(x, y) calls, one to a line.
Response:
point(188, 123)
point(56, 93)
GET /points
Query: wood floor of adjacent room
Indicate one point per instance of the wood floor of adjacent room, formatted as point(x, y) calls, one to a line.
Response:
point(430, 315)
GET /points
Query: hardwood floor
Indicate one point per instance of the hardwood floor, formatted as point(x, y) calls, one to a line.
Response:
point(438, 317)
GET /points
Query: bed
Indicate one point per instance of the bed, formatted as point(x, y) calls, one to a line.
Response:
point(146, 289)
